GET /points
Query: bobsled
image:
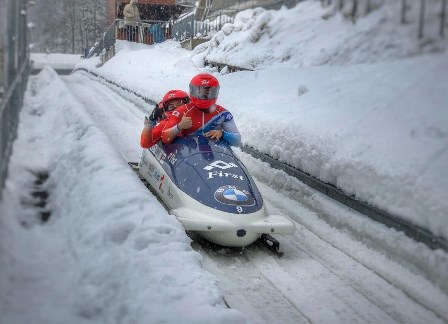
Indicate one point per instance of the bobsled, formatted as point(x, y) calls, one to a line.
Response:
point(210, 191)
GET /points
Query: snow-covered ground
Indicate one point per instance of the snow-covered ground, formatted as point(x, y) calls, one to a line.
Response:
point(372, 120)
point(378, 131)
point(56, 61)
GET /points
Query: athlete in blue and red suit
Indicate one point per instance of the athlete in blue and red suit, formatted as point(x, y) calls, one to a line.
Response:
point(202, 115)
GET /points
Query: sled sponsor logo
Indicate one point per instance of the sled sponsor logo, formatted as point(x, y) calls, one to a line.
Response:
point(147, 164)
point(228, 116)
point(161, 183)
point(221, 174)
point(172, 158)
point(169, 193)
point(234, 195)
point(220, 165)
point(158, 153)
point(150, 167)
point(156, 175)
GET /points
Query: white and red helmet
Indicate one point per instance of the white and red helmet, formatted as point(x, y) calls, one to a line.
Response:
point(174, 95)
point(204, 89)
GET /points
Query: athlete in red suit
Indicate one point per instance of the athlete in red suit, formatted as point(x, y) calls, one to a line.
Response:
point(202, 115)
point(155, 123)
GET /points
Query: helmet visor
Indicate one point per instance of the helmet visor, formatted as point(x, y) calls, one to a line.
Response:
point(204, 92)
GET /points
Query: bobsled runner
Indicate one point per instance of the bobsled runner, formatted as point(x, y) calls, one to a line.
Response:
point(209, 190)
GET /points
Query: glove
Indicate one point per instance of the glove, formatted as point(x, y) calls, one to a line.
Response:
point(157, 113)
point(149, 123)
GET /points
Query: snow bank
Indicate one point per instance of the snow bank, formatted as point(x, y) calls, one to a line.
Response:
point(112, 252)
point(302, 37)
point(377, 130)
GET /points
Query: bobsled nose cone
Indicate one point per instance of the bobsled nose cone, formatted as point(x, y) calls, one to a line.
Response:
point(240, 233)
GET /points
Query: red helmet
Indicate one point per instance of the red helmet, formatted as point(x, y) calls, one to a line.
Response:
point(172, 95)
point(204, 89)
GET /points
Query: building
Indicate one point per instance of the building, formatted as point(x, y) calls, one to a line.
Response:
point(150, 10)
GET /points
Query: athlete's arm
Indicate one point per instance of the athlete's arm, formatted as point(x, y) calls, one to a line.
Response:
point(146, 136)
point(230, 132)
point(151, 135)
point(174, 126)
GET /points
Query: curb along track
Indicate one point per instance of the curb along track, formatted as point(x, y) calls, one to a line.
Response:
point(415, 232)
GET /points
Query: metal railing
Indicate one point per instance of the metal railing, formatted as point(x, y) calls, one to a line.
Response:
point(411, 12)
point(14, 72)
point(187, 27)
point(211, 19)
point(231, 8)
point(148, 32)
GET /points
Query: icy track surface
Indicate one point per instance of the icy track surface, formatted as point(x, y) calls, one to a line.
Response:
point(338, 267)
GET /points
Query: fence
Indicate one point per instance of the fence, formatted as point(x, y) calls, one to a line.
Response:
point(424, 14)
point(148, 32)
point(187, 27)
point(14, 72)
point(233, 7)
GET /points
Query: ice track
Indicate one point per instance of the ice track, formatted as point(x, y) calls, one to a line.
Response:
point(338, 267)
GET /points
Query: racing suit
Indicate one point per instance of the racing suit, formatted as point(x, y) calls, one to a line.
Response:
point(214, 118)
point(151, 133)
